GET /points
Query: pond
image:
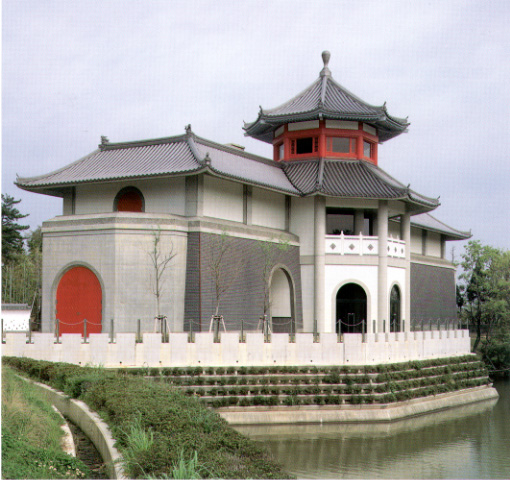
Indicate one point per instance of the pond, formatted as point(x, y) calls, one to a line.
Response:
point(466, 442)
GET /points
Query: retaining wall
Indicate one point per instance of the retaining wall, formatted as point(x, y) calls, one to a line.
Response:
point(378, 348)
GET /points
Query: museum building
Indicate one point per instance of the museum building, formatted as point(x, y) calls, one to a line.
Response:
point(318, 237)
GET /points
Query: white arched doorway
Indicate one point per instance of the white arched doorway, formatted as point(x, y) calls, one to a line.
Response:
point(281, 298)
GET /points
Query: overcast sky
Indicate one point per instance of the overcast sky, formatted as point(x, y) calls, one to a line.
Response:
point(137, 69)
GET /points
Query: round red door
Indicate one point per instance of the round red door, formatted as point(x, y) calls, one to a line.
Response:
point(79, 297)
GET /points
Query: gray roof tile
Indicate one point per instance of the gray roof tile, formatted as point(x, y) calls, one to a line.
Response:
point(325, 98)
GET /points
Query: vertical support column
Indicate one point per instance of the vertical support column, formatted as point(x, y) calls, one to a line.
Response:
point(319, 260)
point(382, 271)
point(405, 234)
point(359, 219)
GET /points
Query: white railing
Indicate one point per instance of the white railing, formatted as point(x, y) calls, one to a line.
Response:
point(362, 245)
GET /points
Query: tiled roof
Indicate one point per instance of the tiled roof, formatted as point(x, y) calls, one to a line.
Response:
point(182, 155)
point(325, 99)
point(190, 155)
point(428, 222)
point(351, 179)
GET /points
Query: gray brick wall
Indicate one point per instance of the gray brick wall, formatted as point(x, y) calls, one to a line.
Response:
point(432, 293)
point(243, 267)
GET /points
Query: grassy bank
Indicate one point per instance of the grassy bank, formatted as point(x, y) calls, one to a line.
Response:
point(160, 431)
point(31, 435)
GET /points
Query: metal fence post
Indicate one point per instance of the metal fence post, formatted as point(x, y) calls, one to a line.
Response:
point(363, 331)
point(138, 330)
point(57, 330)
point(84, 330)
point(242, 330)
point(384, 326)
point(403, 325)
point(315, 330)
point(2, 330)
point(111, 330)
point(29, 330)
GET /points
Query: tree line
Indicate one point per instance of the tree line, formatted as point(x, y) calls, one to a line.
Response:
point(21, 257)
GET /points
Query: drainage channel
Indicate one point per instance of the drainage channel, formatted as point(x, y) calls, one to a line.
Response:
point(87, 452)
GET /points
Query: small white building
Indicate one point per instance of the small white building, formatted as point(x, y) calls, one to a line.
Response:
point(317, 233)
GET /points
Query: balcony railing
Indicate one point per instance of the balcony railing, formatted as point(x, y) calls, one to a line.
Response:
point(363, 245)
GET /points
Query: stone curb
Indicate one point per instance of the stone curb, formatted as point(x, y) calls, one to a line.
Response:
point(91, 424)
point(355, 414)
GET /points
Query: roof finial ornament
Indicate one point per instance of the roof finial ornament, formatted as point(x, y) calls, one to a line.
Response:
point(325, 58)
point(187, 128)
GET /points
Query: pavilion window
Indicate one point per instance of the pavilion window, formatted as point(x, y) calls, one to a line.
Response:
point(281, 151)
point(300, 146)
point(340, 220)
point(341, 145)
point(367, 149)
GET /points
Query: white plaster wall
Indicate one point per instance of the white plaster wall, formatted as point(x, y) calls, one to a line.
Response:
point(337, 276)
point(416, 240)
point(302, 223)
point(223, 199)
point(162, 195)
point(268, 209)
point(67, 204)
point(434, 244)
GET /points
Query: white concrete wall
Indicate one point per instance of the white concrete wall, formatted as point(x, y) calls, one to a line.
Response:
point(434, 244)
point(307, 288)
point(116, 248)
point(124, 352)
point(223, 199)
point(302, 222)
point(268, 209)
point(416, 240)
point(162, 195)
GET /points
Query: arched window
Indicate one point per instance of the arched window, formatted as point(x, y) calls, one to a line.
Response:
point(281, 302)
point(129, 199)
point(351, 309)
point(395, 309)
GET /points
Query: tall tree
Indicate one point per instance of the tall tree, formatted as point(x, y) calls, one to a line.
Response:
point(484, 295)
point(12, 239)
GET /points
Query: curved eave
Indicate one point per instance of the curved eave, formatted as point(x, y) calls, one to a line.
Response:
point(263, 128)
point(57, 189)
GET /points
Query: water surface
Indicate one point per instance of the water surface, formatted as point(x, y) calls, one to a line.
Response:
point(465, 442)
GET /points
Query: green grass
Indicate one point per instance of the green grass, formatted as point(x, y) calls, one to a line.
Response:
point(31, 435)
point(160, 431)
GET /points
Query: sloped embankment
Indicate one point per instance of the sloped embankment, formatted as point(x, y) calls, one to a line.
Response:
point(157, 428)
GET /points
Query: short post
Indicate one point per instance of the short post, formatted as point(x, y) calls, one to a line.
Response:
point(29, 330)
point(374, 326)
point(363, 331)
point(111, 330)
point(291, 339)
point(84, 330)
point(242, 330)
point(57, 330)
point(315, 331)
point(2, 330)
point(403, 325)
point(384, 326)
point(138, 331)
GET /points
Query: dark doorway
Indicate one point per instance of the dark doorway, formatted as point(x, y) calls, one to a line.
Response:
point(351, 309)
point(395, 309)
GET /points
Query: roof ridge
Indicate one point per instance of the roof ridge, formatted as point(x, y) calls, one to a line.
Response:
point(142, 143)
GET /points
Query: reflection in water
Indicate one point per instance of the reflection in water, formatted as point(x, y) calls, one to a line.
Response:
point(466, 442)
